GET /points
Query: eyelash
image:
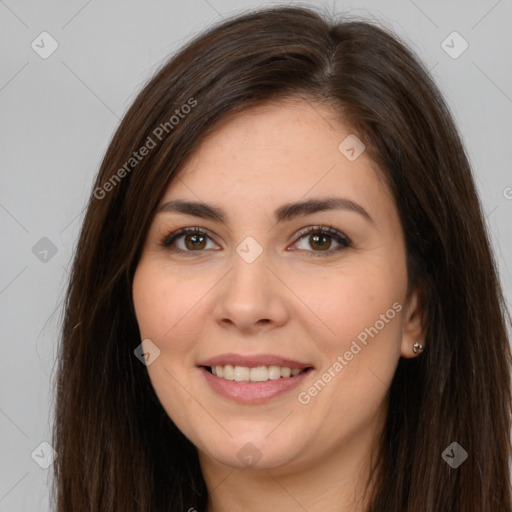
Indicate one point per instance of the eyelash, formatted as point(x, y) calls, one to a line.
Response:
point(324, 230)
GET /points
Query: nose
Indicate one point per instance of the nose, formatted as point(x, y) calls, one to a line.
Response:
point(251, 297)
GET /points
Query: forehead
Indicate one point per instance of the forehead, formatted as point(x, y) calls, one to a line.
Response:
point(276, 153)
point(291, 129)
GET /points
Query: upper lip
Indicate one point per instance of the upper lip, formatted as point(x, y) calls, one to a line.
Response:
point(253, 361)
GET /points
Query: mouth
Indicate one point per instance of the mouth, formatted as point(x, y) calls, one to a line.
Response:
point(253, 379)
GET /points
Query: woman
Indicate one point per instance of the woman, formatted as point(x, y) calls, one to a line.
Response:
point(283, 294)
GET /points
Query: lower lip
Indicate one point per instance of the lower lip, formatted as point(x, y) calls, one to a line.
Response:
point(252, 392)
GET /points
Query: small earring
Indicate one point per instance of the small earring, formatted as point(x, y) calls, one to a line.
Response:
point(416, 347)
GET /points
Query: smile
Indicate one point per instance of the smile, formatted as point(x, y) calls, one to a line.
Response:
point(251, 392)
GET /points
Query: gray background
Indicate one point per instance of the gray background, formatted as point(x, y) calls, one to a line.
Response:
point(59, 113)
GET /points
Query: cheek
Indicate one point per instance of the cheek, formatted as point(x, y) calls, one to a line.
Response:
point(351, 303)
point(148, 299)
point(167, 307)
point(363, 311)
point(161, 316)
point(159, 303)
point(367, 318)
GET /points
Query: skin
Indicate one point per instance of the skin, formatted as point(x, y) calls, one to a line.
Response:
point(210, 301)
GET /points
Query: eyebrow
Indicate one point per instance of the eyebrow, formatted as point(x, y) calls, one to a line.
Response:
point(285, 212)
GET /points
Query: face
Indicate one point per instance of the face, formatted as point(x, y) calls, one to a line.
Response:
point(258, 288)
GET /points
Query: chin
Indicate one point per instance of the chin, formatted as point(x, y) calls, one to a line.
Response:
point(254, 451)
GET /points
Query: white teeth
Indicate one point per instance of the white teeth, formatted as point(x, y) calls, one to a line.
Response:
point(274, 372)
point(229, 372)
point(242, 373)
point(256, 374)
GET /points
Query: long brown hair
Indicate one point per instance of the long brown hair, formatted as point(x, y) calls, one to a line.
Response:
point(117, 448)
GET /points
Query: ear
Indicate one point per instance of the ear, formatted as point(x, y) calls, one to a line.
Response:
point(414, 322)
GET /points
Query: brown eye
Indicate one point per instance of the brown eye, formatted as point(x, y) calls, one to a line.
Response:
point(321, 241)
point(194, 240)
point(320, 238)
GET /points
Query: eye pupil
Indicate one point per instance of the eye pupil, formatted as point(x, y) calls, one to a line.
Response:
point(194, 244)
point(315, 238)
